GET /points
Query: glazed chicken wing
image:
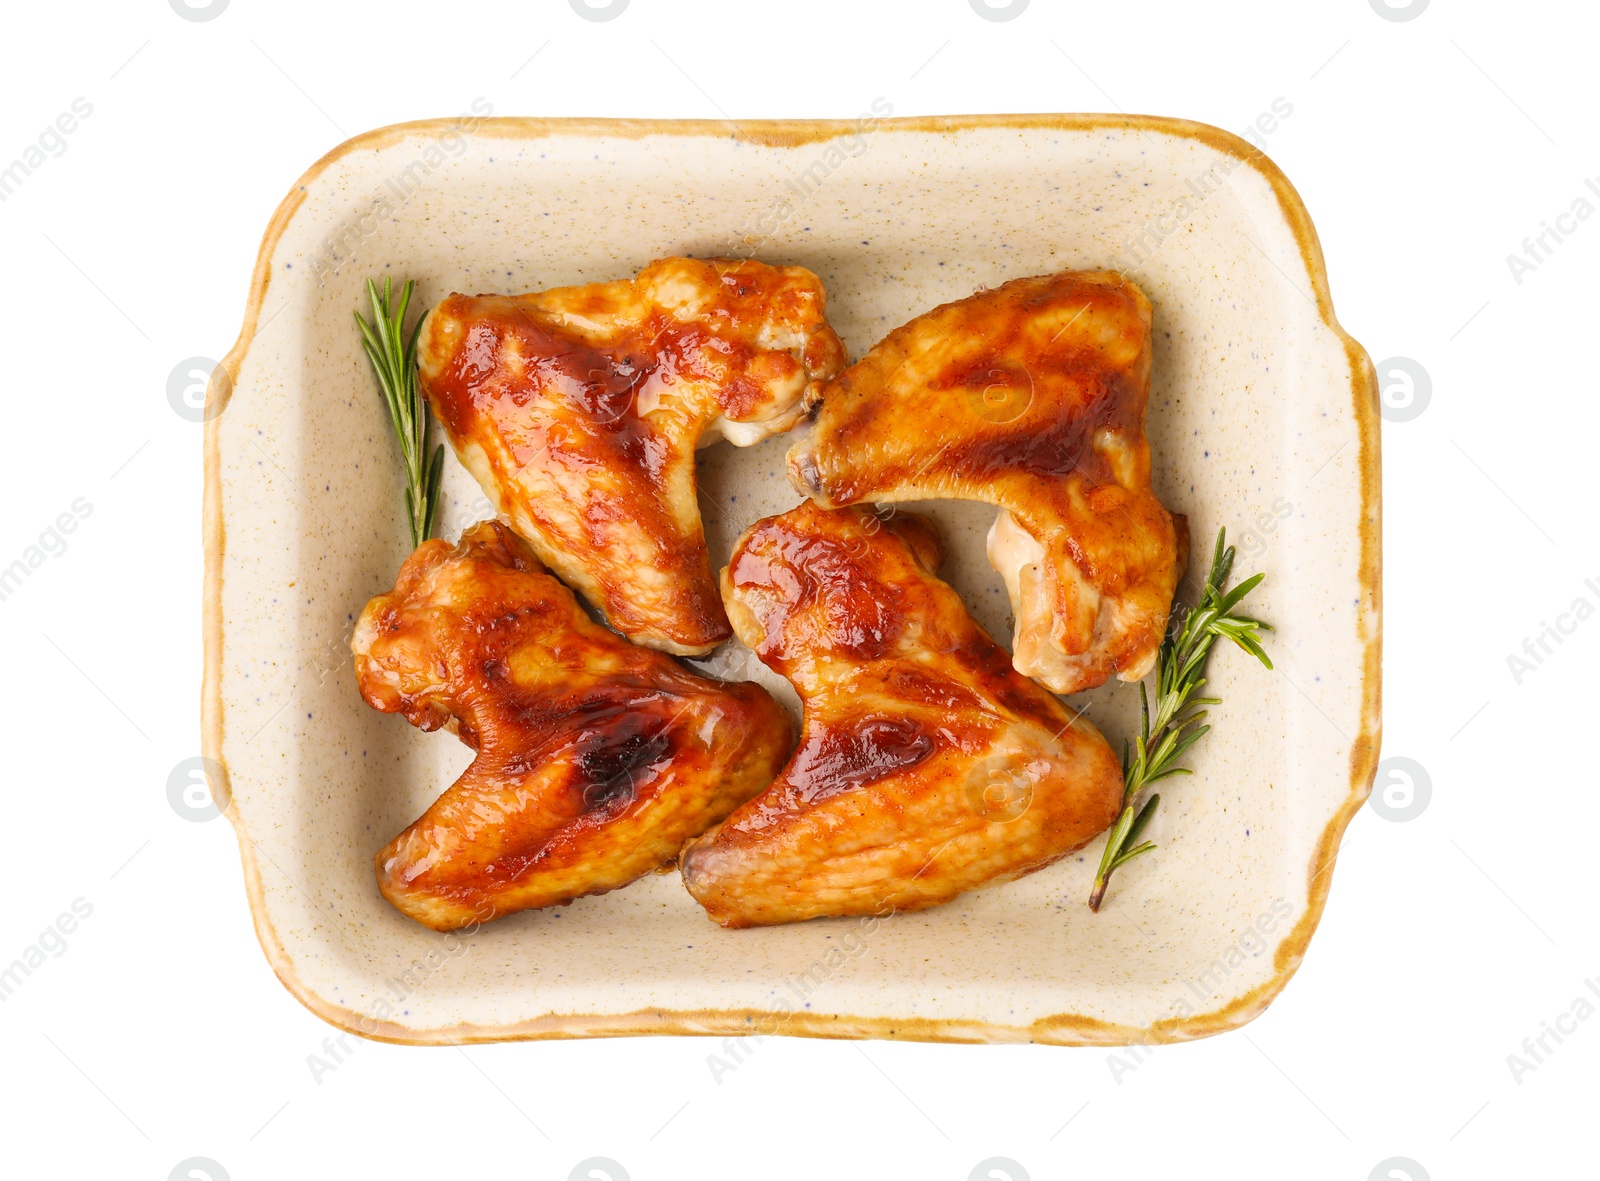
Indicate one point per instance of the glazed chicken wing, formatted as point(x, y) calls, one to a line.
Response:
point(926, 766)
point(595, 758)
point(579, 410)
point(1030, 396)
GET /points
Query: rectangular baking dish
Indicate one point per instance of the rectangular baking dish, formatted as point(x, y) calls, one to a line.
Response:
point(1263, 418)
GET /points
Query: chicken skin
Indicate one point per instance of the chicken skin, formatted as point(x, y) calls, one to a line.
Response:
point(926, 765)
point(579, 410)
point(1031, 397)
point(596, 759)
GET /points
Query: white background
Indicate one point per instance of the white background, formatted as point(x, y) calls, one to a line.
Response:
point(1426, 150)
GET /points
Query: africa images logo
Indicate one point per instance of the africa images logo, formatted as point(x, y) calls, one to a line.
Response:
point(50, 142)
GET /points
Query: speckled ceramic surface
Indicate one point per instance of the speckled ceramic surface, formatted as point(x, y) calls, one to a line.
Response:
point(1262, 417)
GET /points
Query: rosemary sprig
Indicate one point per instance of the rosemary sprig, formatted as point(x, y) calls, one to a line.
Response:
point(394, 363)
point(1179, 715)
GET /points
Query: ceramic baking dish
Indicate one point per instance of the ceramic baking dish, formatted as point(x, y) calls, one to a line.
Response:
point(1262, 418)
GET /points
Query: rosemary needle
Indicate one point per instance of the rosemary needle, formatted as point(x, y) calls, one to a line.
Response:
point(1178, 721)
point(394, 363)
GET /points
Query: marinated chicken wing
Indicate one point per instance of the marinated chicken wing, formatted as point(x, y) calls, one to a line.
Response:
point(1031, 397)
point(579, 410)
point(926, 766)
point(596, 758)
